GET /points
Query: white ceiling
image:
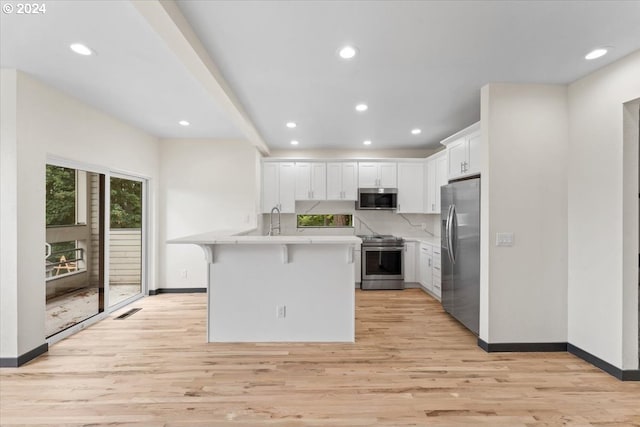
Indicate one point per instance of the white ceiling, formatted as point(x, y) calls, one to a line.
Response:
point(133, 76)
point(420, 64)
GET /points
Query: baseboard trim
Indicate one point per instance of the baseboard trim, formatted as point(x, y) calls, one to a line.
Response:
point(522, 347)
point(623, 375)
point(15, 362)
point(177, 291)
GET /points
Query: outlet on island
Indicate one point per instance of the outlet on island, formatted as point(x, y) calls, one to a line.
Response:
point(184, 273)
point(281, 311)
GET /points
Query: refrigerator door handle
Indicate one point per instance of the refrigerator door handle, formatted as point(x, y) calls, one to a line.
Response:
point(453, 225)
point(448, 232)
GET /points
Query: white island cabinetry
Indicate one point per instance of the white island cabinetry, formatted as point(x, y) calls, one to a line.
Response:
point(297, 289)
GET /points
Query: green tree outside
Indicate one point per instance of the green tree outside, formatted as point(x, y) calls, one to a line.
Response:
point(126, 203)
point(61, 196)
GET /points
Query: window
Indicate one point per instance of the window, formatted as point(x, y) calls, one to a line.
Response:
point(61, 196)
point(325, 220)
point(126, 203)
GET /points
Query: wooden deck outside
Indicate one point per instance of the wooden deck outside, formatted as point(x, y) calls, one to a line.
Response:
point(412, 365)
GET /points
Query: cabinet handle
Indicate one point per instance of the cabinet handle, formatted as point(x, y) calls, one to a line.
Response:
point(433, 206)
point(461, 167)
point(312, 194)
point(429, 263)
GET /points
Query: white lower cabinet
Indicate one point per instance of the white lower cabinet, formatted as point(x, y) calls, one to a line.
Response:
point(426, 266)
point(410, 262)
point(436, 281)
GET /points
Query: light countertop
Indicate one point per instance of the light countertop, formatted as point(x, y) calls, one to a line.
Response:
point(227, 237)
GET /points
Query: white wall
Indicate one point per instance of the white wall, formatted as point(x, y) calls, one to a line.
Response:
point(48, 122)
point(524, 191)
point(8, 215)
point(600, 277)
point(206, 185)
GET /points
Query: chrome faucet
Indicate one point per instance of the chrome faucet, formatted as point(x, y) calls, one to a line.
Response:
point(272, 229)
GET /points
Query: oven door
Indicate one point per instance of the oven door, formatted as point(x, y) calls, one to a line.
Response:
point(382, 263)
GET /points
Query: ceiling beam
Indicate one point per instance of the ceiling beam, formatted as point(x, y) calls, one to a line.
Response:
point(169, 23)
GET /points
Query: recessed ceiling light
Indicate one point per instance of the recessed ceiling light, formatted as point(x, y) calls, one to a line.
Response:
point(291, 125)
point(347, 52)
point(416, 131)
point(184, 123)
point(81, 49)
point(362, 107)
point(596, 53)
point(294, 142)
point(367, 142)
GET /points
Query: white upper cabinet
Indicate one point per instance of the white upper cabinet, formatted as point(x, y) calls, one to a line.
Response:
point(411, 181)
point(311, 181)
point(463, 151)
point(377, 174)
point(342, 181)
point(278, 186)
point(436, 178)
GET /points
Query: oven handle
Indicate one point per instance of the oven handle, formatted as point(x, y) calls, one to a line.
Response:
point(383, 248)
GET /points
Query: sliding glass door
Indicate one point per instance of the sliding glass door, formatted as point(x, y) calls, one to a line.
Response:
point(74, 254)
point(126, 239)
point(95, 244)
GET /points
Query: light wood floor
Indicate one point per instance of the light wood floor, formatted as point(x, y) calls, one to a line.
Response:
point(412, 365)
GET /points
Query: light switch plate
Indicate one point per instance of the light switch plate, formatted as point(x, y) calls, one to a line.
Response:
point(504, 239)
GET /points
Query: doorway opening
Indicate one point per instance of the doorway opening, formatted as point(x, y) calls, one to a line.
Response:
point(126, 239)
point(74, 255)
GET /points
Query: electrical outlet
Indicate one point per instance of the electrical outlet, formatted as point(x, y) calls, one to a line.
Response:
point(281, 311)
point(504, 239)
point(184, 273)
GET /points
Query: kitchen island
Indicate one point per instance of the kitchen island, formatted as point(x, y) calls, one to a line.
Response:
point(278, 288)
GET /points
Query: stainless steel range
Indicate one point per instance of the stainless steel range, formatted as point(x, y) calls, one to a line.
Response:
point(382, 260)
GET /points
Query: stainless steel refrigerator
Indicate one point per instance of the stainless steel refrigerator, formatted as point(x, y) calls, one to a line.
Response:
point(460, 219)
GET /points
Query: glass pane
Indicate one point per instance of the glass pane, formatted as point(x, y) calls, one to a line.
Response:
point(325, 220)
point(383, 263)
point(125, 240)
point(61, 196)
point(73, 263)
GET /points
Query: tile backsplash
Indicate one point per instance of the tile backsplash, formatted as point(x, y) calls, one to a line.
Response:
point(365, 222)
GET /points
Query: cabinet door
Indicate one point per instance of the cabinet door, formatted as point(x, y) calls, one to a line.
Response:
point(440, 180)
point(303, 181)
point(410, 188)
point(287, 187)
point(426, 265)
point(409, 262)
point(270, 186)
point(318, 181)
point(367, 175)
point(350, 181)
point(473, 144)
point(430, 202)
point(457, 153)
point(334, 181)
point(388, 175)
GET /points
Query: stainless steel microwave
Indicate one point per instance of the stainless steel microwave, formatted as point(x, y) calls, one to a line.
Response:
point(377, 198)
